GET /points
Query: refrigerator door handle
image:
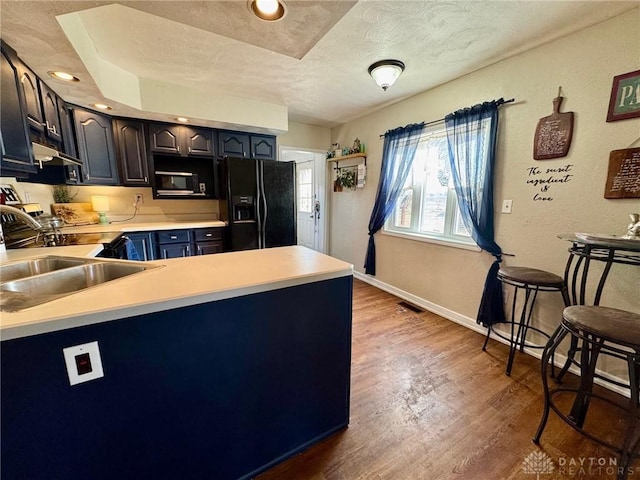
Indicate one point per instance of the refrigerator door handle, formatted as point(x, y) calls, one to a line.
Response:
point(257, 200)
point(266, 207)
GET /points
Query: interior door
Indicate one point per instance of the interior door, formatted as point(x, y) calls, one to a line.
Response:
point(306, 211)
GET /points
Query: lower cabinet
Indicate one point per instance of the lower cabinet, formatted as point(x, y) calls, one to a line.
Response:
point(163, 244)
point(145, 244)
point(175, 250)
point(208, 241)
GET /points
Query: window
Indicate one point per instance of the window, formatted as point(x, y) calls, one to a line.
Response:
point(305, 189)
point(427, 208)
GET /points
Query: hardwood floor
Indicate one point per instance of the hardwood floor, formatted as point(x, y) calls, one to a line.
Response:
point(427, 403)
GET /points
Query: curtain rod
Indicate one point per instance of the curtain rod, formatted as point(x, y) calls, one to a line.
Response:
point(442, 119)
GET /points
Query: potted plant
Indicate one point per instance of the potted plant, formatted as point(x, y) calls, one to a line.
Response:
point(346, 179)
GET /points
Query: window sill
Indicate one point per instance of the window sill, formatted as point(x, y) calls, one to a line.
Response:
point(437, 241)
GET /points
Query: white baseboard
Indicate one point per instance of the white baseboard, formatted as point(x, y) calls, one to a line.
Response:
point(471, 324)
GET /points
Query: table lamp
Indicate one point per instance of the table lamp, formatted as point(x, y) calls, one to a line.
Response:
point(100, 204)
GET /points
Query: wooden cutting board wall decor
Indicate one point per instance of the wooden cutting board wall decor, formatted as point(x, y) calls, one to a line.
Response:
point(553, 133)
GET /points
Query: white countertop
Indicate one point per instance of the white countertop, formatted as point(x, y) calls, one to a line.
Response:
point(178, 283)
point(142, 226)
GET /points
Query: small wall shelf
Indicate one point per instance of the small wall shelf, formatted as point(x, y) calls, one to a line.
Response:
point(348, 157)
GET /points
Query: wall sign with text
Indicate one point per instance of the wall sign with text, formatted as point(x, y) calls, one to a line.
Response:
point(625, 97)
point(553, 133)
point(623, 178)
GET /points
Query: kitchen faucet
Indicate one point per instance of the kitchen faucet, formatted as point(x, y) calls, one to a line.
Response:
point(25, 217)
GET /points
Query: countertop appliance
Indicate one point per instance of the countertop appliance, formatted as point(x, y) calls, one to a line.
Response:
point(258, 203)
point(178, 184)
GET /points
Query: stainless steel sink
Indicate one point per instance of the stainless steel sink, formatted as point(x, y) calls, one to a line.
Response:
point(37, 266)
point(56, 277)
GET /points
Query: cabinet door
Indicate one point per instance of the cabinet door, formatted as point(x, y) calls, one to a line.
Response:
point(32, 103)
point(131, 152)
point(66, 128)
point(14, 136)
point(50, 113)
point(164, 138)
point(95, 148)
point(144, 243)
point(199, 141)
point(209, 248)
point(175, 250)
point(72, 173)
point(263, 147)
point(233, 144)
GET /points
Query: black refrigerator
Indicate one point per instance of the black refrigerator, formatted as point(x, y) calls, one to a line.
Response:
point(258, 202)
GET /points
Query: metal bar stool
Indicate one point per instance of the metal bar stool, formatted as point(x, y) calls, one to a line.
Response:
point(532, 281)
point(601, 330)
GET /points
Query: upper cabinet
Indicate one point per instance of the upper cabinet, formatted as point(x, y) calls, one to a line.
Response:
point(95, 147)
point(180, 140)
point(263, 147)
point(245, 145)
point(49, 99)
point(199, 141)
point(32, 101)
point(14, 137)
point(131, 152)
point(233, 144)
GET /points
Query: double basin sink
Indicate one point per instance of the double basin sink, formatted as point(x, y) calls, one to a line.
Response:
point(33, 282)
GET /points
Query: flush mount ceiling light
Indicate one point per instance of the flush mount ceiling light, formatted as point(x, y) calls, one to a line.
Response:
point(386, 72)
point(67, 77)
point(269, 10)
point(182, 119)
point(101, 106)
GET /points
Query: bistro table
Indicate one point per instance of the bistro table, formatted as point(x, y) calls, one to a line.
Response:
point(586, 248)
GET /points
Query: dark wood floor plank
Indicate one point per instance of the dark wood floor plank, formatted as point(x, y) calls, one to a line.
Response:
point(428, 403)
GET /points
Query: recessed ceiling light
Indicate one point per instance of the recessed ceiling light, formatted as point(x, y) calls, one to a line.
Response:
point(67, 77)
point(102, 106)
point(182, 119)
point(270, 10)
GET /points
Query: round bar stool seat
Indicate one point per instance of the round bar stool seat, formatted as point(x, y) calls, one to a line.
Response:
point(601, 330)
point(532, 281)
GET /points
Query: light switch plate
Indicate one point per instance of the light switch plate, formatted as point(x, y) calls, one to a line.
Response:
point(70, 354)
point(506, 206)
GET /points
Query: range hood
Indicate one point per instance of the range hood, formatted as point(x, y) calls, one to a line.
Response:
point(50, 156)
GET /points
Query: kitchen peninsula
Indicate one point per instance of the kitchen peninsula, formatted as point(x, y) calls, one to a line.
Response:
point(215, 366)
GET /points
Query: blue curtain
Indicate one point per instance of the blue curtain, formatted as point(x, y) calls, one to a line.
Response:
point(471, 136)
point(399, 149)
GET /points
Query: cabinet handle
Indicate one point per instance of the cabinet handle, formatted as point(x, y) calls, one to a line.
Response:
point(86, 176)
point(188, 251)
point(189, 149)
point(178, 148)
point(199, 249)
point(146, 179)
point(173, 237)
point(208, 235)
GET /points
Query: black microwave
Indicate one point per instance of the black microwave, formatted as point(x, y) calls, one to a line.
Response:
point(178, 183)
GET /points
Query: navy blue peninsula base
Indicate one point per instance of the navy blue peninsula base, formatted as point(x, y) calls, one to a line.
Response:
point(218, 390)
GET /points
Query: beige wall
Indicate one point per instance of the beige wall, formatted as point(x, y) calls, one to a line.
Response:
point(584, 65)
point(305, 136)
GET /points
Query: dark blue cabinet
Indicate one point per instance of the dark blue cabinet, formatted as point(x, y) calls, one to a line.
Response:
point(145, 244)
point(219, 390)
point(95, 147)
point(14, 136)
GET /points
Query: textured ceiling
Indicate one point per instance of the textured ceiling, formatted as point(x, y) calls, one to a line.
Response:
point(314, 61)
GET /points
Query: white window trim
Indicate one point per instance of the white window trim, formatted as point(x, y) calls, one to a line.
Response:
point(446, 242)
